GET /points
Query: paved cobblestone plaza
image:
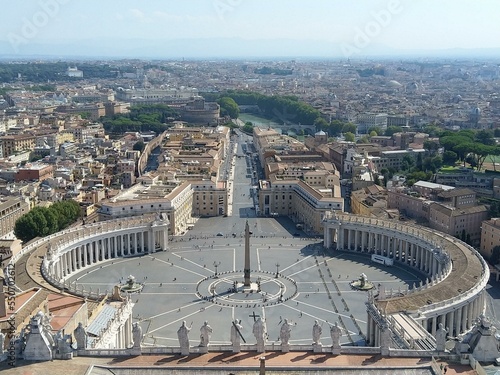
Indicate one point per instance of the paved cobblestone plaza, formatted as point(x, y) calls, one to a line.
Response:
point(298, 280)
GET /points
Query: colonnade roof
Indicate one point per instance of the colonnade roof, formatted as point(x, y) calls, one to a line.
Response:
point(467, 268)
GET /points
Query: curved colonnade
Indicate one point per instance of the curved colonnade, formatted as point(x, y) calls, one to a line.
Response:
point(73, 250)
point(453, 294)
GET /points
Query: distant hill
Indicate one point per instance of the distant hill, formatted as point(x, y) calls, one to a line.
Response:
point(220, 48)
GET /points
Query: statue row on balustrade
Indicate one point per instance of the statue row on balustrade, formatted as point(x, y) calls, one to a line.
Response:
point(259, 333)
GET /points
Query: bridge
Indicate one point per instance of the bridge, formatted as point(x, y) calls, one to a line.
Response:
point(297, 128)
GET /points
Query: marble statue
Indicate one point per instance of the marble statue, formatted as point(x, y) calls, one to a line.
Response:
point(285, 330)
point(205, 332)
point(137, 335)
point(362, 280)
point(335, 333)
point(80, 336)
point(63, 343)
point(316, 333)
point(385, 339)
point(441, 335)
point(182, 335)
point(236, 328)
point(259, 333)
point(2, 343)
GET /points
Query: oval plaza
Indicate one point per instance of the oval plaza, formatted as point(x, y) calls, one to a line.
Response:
point(452, 295)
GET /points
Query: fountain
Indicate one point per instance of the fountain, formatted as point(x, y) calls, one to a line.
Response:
point(131, 286)
point(362, 283)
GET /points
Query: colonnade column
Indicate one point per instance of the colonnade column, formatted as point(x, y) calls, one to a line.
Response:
point(73, 260)
point(470, 314)
point(79, 256)
point(64, 265)
point(451, 322)
point(459, 321)
point(464, 317)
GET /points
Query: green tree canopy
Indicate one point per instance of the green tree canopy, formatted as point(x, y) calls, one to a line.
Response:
point(43, 221)
point(349, 137)
point(139, 146)
point(349, 128)
point(228, 107)
point(375, 129)
point(389, 132)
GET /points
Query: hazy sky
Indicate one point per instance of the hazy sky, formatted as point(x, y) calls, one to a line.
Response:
point(399, 24)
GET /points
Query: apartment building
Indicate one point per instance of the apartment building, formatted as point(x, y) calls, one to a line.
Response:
point(464, 223)
point(452, 211)
point(365, 121)
point(12, 209)
point(297, 200)
point(369, 201)
point(34, 172)
point(393, 159)
point(209, 198)
point(12, 144)
point(175, 201)
point(490, 236)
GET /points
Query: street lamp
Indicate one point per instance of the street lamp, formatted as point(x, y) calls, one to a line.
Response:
point(277, 269)
point(216, 264)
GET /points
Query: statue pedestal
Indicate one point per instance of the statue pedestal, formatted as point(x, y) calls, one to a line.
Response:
point(184, 350)
point(137, 350)
point(317, 348)
point(335, 350)
point(260, 348)
point(203, 349)
point(285, 348)
point(236, 348)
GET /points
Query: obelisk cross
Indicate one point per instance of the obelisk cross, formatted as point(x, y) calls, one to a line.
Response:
point(246, 269)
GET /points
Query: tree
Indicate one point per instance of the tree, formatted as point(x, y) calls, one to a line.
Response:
point(335, 127)
point(43, 221)
point(485, 137)
point(373, 133)
point(321, 124)
point(349, 128)
point(363, 139)
point(450, 158)
point(495, 255)
point(228, 107)
point(433, 130)
point(389, 132)
point(375, 129)
point(349, 137)
point(248, 127)
point(431, 146)
point(139, 146)
point(407, 163)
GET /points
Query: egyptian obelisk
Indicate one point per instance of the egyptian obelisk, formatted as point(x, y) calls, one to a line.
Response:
point(246, 269)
